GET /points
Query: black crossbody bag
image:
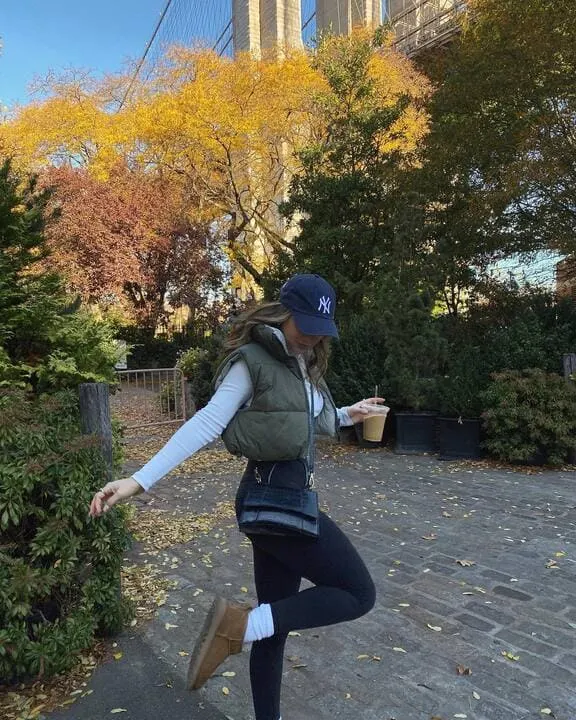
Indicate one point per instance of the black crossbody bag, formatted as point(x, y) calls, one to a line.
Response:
point(290, 505)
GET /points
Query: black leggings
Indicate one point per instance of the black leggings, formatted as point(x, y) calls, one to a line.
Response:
point(343, 591)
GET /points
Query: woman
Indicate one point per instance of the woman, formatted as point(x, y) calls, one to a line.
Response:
point(278, 351)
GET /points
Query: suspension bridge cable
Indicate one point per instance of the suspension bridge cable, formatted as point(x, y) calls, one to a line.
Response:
point(143, 58)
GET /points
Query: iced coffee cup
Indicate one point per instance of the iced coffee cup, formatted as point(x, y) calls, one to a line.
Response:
point(374, 422)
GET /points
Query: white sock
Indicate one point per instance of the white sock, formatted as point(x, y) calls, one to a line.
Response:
point(260, 624)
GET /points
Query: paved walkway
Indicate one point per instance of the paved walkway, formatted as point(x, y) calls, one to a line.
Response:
point(475, 617)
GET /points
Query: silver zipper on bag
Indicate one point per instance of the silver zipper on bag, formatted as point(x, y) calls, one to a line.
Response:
point(259, 477)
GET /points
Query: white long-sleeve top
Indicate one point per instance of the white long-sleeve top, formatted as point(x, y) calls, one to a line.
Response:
point(235, 391)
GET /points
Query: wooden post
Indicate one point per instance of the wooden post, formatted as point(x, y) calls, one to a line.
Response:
point(569, 362)
point(95, 417)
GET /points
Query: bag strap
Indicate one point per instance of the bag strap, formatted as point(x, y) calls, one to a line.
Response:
point(311, 448)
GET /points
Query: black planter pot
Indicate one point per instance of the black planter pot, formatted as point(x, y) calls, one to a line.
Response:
point(415, 433)
point(459, 439)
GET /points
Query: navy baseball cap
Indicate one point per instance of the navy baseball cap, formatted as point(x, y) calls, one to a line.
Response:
point(312, 302)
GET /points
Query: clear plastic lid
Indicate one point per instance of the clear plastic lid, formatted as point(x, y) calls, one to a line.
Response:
point(374, 409)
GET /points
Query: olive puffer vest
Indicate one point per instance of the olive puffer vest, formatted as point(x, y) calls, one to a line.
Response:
point(274, 426)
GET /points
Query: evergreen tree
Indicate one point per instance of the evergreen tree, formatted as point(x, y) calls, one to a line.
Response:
point(343, 196)
point(46, 341)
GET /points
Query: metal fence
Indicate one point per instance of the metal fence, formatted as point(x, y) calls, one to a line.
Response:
point(150, 397)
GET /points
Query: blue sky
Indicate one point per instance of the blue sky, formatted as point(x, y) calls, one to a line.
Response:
point(43, 35)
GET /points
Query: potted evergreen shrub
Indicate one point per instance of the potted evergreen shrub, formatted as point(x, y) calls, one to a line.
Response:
point(415, 350)
point(530, 417)
point(464, 374)
point(459, 424)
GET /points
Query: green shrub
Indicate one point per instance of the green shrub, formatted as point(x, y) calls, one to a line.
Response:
point(415, 350)
point(465, 376)
point(59, 570)
point(170, 398)
point(199, 366)
point(505, 328)
point(530, 417)
point(160, 351)
point(189, 361)
point(357, 361)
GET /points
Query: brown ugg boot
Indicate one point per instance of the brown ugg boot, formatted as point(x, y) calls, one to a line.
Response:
point(221, 635)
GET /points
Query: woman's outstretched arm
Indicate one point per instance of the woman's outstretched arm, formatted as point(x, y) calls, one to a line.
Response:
point(205, 426)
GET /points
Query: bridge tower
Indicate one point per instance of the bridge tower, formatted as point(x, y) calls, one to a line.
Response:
point(266, 24)
point(341, 16)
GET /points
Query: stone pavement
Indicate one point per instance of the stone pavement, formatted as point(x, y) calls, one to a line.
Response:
point(476, 611)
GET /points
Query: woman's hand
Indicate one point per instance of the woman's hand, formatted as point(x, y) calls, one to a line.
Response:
point(112, 493)
point(359, 412)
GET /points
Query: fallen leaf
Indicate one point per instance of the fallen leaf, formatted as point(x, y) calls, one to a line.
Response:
point(244, 589)
point(169, 626)
point(225, 691)
point(117, 655)
point(510, 656)
point(432, 536)
point(362, 657)
point(347, 696)
point(229, 673)
point(466, 563)
point(293, 633)
point(399, 649)
point(463, 670)
point(300, 665)
point(183, 653)
point(475, 695)
point(436, 628)
point(546, 711)
point(552, 564)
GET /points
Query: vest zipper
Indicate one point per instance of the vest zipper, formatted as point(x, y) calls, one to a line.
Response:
point(310, 407)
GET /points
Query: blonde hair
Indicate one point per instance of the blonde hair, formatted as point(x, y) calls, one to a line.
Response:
point(275, 314)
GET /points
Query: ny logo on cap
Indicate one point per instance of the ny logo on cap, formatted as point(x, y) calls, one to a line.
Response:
point(325, 305)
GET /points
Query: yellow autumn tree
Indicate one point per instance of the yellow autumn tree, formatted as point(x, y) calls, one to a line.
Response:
point(73, 125)
point(230, 131)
